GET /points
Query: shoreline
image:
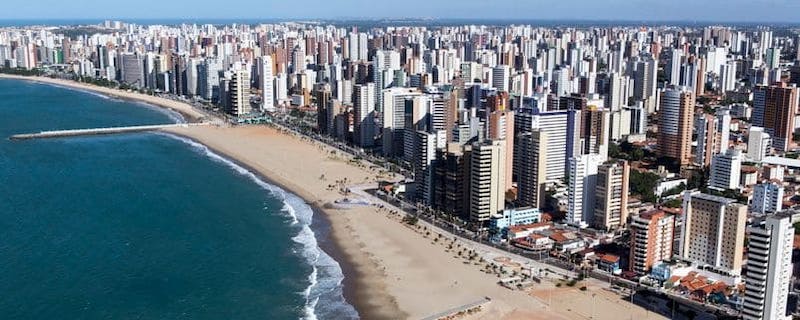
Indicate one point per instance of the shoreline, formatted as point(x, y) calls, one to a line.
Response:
point(356, 293)
point(188, 112)
point(390, 270)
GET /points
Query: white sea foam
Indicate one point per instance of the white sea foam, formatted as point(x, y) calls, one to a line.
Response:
point(325, 279)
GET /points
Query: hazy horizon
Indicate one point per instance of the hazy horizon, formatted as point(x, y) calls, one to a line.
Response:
point(741, 11)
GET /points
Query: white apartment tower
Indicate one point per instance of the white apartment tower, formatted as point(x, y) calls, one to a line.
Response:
point(758, 144)
point(769, 269)
point(580, 188)
point(266, 81)
point(726, 170)
point(767, 198)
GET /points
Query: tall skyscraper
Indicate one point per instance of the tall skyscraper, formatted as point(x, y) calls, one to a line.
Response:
point(364, 106)
point(611, 195)
point(673, 68)
point(652, 235)
point(768, 275)
point(675, 124)
point(713, 231)
point(531, 156)
point(774, 109)
point(707, 139)
point(452, 180)
point(425, 154)
point(500, 77)
point(501, 127)
point(487, 180)
point(580, 188)
point(266, 81)
point(239, 93)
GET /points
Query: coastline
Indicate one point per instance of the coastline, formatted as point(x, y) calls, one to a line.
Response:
point(391, 270)
point(369, 301)
point(189, 113)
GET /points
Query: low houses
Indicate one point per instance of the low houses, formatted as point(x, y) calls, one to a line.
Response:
point(533, 242)
point(609, 263)
point(521, 231)
point(516, 217)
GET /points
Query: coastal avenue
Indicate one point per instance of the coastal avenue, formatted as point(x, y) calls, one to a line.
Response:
point(102, 131)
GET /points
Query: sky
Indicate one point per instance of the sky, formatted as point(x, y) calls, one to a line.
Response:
point(764, 11)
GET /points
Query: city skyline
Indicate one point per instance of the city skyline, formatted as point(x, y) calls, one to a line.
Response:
point(757, 11)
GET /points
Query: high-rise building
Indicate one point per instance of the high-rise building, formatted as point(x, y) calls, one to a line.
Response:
point(452, 180)
point(500, 77)
point(398, 107)
point(364, 107)
point(758, 144)
point(767, 198)
point(772, 58)
point(239, 93)
point(501, 127)
point(425, 154)
point(652, 235)
point(713, 231)
point(530, 161)
point(673, 68)
point(580, 188)
point(487, 180)
point(705, 127)
point(675, 124)
point(774, 109)
point(132, 70)
point(266, 81)
point(726, 170)
point(768, 275)
point(611, 195)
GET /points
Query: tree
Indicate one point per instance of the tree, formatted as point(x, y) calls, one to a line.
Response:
point(643, 184)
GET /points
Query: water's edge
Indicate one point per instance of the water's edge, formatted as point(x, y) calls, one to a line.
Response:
point(319, 248)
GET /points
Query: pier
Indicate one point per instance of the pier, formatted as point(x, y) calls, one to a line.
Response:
point(101, 131)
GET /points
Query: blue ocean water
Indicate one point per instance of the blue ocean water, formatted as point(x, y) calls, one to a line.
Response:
point(145, 226)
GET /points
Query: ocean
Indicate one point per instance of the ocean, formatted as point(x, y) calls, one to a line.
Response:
point(146, 225)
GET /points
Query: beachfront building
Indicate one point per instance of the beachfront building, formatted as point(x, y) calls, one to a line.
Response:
point(768, 276)
point(652, 235)
point(364, 122)
point(581, 189)
point(515, 217)
point(239, 93)
point(611, 196)
point(267, 84)
point(713, 231)
point(531, 155)
point(487, 180)
point(452, 180)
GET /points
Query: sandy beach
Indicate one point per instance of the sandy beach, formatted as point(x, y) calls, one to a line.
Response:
point(393, 271)
point(191, 114)
point(398, 272)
